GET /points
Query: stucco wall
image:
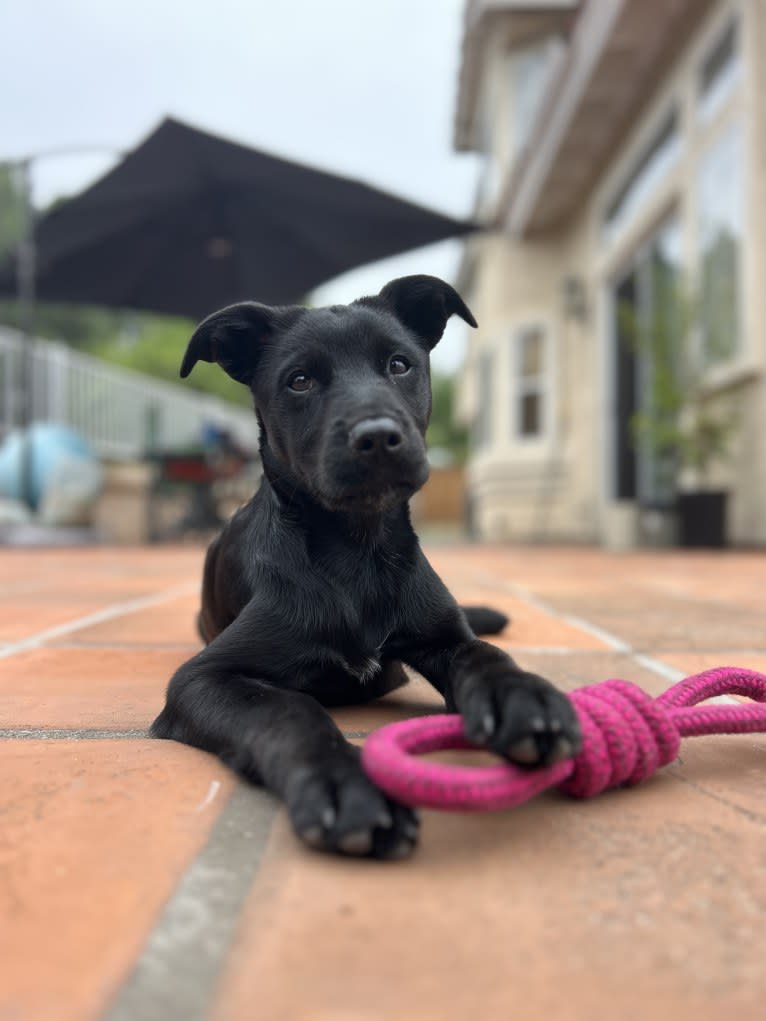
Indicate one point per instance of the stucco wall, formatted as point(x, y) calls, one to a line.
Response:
point(543, 487)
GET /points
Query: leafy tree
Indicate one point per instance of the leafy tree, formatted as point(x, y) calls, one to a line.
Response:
point(158, 349)
point(444, 432)
point(79, 326)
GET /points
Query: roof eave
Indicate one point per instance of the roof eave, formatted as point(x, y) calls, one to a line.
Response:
point(615, 64)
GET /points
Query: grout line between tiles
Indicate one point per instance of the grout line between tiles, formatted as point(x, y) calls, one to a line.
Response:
point(97, 734)
point(69, 734)
point(614, 642)
point(189, 647)
point(100, 616)
point(177, 973)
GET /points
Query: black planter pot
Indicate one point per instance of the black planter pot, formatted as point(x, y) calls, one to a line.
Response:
point(702, 518)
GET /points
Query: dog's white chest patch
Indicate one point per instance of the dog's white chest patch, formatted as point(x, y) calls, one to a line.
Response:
point(367, 669)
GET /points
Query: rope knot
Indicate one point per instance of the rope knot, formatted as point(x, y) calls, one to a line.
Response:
point(627, 736)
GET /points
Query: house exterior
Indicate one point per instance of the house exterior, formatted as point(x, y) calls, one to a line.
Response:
point(621, 138)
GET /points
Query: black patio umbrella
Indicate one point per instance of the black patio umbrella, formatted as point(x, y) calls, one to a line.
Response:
point(188, 222)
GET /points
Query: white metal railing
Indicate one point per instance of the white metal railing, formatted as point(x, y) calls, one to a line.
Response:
point(122, 413)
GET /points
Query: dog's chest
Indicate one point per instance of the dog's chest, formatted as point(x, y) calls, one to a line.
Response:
point(364, 618)
point(363, 669)
point(362, 639)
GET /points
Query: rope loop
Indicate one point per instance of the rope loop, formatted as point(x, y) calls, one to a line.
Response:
point(627, 736)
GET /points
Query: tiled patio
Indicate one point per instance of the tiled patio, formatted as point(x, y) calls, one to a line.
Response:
point(140, 881)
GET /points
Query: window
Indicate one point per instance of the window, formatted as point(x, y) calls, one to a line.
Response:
point(491, 177)
point(720, 72)
point(654, 163)
point(483, 419)
point(720, 197)
point(530, 382)
point(530, 81)
point(530, 72)
point(490, 184)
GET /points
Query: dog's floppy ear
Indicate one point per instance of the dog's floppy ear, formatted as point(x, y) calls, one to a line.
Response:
point(424, 304)
point(232, 337)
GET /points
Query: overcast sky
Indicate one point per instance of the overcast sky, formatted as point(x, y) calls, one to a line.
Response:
point(362, 87)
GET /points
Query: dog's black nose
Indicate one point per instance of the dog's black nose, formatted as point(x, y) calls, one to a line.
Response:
point(376, 436)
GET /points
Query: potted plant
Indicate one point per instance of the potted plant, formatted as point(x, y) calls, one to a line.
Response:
point(684, 423)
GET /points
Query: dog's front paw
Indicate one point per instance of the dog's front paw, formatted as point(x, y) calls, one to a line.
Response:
point(522, 717)
point(335, 807)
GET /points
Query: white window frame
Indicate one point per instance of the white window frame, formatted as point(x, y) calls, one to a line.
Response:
point(541, 384)
point(483, 431)
point(711, 102)
point(649, 174)
point(710, 124)
point(736, 124)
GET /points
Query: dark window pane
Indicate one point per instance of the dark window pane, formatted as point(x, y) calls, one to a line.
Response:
point(531, 415)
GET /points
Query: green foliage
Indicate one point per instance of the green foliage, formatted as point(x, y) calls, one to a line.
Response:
point(79, 326)
point(444, 432)
point(150, 344)
point(682, 421)
point(158, 350)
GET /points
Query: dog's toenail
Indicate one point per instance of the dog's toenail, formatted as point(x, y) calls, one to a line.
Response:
point(358, 842)
point(525, 751)
point(564, 748)
point(384, 819)
point(401, 850)
point(488, 724)
point(537, 723)
point(313, 836)
point(328, 817)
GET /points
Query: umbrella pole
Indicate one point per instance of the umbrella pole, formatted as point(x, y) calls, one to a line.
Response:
point(25, 293)
point(26, 300)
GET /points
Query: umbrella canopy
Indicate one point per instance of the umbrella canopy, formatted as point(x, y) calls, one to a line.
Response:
point(189, 222)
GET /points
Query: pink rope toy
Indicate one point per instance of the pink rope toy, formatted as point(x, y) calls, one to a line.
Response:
point(627, 736)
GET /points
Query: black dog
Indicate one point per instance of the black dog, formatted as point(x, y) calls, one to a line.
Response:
point(317, 590)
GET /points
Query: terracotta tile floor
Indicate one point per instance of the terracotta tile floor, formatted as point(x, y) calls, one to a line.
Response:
point(140, 881)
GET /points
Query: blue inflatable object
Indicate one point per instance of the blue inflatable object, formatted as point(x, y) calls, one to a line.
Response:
point(49, 444)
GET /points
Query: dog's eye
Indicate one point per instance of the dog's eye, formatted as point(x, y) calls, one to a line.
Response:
point(300, 382)
point(398, 366)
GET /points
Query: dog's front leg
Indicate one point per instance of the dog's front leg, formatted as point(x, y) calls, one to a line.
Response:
point(516, 714)
point(286, 741)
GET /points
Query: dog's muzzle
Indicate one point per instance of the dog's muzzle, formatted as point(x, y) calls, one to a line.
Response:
point(375, 461)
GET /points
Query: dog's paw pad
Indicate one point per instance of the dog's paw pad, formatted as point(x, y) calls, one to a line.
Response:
point(403, 849)
point(358, 842)
point(313, 836)
point(525, 751)
point(339, 809)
